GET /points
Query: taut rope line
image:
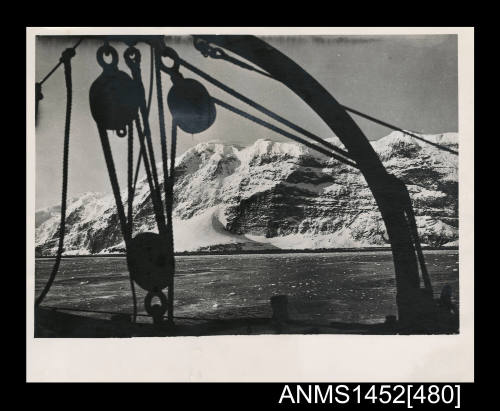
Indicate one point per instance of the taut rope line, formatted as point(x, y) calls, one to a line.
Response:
point(150, 97)
point(282, 132)
point(149, 165)
point(108, 156)
point(155, 195)
point(168, 180)
point(261, 108)
point(383, 123)
point(130, 203)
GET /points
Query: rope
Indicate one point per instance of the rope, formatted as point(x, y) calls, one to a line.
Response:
point(151, 73)
point(148, 111)
point(65, 59)
point(262, 109)
point(173, 152)
point(155, 196)
point(167, 179)
point(130, 202)
point(392, 127)
point(59, 63)
point(272, 115)
point(137, 168)
point(134, 65)
point(163, 136)
point(147, 135)
point(169, 214)
point(108, 156)
point(38, 85)
point(282, 132)
point(130, 161)
point(135, 68)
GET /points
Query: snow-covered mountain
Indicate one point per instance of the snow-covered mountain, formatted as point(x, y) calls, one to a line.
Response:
point(273, 194)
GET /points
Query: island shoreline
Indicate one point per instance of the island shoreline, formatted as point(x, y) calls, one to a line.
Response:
point(261, 252)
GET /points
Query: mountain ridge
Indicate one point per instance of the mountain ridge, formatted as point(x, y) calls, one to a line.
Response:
point(273, 195)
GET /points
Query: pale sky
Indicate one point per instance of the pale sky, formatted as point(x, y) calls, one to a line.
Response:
point(409, 81)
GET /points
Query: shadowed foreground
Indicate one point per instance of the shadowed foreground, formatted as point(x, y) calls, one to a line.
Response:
point(57, 324)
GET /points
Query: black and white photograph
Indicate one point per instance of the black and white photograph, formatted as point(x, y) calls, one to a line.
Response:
point(197, 185)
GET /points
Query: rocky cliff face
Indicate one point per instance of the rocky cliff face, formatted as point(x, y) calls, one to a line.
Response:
point(273, 194)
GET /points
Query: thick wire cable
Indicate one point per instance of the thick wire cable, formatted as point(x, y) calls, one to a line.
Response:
point(282, 132)
point(396, 128)
point(261, 108)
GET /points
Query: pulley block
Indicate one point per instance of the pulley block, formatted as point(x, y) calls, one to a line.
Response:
point(114, 96)
point(149, 261)
point(191, 106)
point(188, 100)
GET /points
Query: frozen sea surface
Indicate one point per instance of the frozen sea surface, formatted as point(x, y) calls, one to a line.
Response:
point(345, 286)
